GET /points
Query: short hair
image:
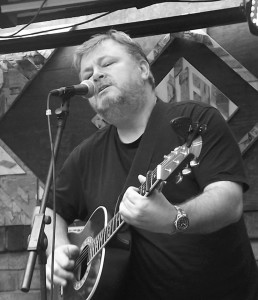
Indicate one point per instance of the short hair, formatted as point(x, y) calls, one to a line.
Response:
point(132, 47)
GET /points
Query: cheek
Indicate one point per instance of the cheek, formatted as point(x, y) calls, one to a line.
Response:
point(129, 79)
point(125, 73)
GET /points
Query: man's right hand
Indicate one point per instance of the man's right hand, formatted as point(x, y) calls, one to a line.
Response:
point(64, 260)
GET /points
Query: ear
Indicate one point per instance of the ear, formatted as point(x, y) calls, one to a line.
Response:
point(145, 69)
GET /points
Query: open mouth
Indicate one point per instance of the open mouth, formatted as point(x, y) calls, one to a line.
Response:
point(103, 87)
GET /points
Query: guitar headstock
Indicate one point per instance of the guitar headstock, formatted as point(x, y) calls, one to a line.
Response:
point(175, 163)
point(179, 161)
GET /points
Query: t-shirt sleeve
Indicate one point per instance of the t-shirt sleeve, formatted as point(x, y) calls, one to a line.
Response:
point(220, 157)
point(68, 190)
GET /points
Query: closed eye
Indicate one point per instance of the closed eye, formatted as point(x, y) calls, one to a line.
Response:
point(87, 76)
point(107, 64)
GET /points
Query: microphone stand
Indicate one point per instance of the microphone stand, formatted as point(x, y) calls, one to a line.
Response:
point(37, 243)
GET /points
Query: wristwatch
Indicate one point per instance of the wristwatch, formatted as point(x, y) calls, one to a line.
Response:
point(182, 221)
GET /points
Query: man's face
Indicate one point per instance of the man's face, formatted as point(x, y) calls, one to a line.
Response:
point(118, 79)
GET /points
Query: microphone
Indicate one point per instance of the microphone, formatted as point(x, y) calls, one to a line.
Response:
point(85, 88)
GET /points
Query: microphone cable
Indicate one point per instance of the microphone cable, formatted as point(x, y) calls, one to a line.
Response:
point(48, 114)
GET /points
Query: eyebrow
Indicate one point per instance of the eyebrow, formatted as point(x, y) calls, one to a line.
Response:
point(99, 60)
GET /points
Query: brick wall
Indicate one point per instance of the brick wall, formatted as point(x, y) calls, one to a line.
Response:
point(13, 260)
point(241, 44)
point(19, 187)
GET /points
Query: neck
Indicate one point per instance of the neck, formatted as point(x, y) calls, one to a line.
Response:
point(131, 128)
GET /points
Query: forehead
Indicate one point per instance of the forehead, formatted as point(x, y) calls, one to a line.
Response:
point(105, 48)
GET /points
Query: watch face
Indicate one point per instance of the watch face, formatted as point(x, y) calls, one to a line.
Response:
point(182, 223)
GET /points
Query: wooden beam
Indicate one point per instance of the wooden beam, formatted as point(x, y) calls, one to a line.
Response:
point(35, 5)
point(18, 6)
point(135, 29)
point(21, 12)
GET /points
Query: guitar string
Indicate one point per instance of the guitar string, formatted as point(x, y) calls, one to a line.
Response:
point(85, 252)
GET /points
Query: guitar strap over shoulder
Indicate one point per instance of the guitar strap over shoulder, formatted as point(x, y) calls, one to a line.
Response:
point(156, 131)
point(160, 136)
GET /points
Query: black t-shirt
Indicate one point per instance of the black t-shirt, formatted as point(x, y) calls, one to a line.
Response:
point(219, 265)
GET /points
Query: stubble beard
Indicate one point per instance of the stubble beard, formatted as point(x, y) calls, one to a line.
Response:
point(117, 108)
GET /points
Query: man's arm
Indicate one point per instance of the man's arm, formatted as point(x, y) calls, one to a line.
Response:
point(219, 205)
point(65, 253)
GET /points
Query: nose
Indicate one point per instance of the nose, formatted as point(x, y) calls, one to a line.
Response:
point(98, 75)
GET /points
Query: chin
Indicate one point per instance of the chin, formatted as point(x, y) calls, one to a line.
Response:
point(112, 114)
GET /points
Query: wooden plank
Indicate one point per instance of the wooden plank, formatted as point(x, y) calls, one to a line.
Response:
point(248, 139)
point(199, 6)
point(135, 29)
point(254, 244)
point(251, 221)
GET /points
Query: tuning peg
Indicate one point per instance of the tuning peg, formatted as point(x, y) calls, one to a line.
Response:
point(186, 170)
point(194, 162)
point(179, 178)
point(161, 185)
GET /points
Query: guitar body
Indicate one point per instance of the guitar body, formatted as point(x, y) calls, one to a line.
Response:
point(102, 277)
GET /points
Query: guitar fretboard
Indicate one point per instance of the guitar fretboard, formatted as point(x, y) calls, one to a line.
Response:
point(105, 235)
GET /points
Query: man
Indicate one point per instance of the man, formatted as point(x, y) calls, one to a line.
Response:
point(209, 256)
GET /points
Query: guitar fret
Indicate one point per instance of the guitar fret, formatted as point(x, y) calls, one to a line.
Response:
point(95, 247)
point(117, 220)
point(101, 237)
point(143, 189)
point(108, 230)
point(151, 178)
point(98, 242)
point(148, 181)
point(113, 226)
point(92, 249)
point(105, 234)
point(155, 174)
point(90, 253)
point(120, 220)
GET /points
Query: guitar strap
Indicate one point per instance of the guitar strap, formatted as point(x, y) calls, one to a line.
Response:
point(157, 130)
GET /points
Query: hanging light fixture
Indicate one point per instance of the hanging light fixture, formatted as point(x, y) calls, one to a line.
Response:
point(252, 16)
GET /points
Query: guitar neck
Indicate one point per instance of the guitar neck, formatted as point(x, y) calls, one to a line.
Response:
point(105, 235)
point(117, 222)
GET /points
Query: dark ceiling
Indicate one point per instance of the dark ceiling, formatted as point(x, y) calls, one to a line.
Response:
point(18, 12)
